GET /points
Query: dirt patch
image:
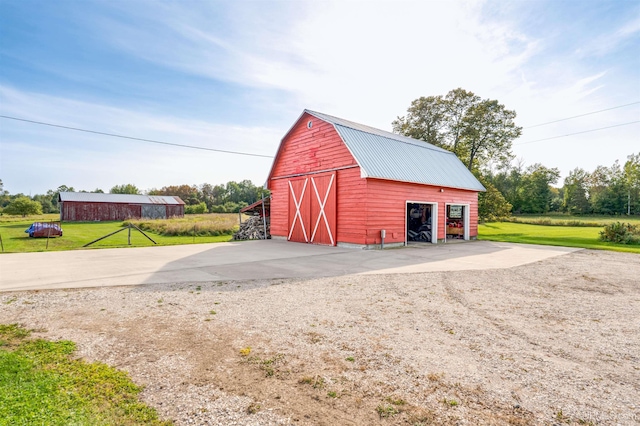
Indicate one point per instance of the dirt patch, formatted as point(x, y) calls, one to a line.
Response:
point(554, 342)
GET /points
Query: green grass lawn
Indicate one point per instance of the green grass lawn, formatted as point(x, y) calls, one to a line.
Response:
point(41, 383)
point(568, 236)
point(77, 234)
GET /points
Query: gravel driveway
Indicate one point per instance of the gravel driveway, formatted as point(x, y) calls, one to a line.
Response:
point(552, 342)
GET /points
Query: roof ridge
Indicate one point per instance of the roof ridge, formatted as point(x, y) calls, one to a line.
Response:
point(337, 121)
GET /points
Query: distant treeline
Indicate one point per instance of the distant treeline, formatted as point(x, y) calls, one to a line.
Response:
point(613, 190)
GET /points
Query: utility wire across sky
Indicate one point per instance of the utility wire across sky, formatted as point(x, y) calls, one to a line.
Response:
point(578, 133)
point(581, 115)
point(137, 139)
point(271, 156)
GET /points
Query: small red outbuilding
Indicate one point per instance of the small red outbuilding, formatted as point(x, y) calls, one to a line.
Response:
point(336, 182)
point(91, 206)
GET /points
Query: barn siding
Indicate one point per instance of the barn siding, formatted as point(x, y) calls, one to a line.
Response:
point(304, 151)
point(386, 204)
point(351, 205)
point(175, 210)
point(87, 212)
point(310, 150)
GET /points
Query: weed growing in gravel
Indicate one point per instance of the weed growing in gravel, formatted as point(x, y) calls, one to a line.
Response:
point(332, 394)
point(267, 365)
point(395, 401)
point(212, 312)
point(10, 301)
point(350, 359)
point(561, 417)
point(253, 408)
point(450, 402)
point(317, 382)
point(245, 351)
point(386, 410)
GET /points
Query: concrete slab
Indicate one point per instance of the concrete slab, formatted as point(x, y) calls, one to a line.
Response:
point(250, 260)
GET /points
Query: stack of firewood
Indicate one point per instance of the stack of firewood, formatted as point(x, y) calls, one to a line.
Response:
point(252, 229)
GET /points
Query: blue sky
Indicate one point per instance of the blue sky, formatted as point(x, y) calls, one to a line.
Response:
point(236, 75)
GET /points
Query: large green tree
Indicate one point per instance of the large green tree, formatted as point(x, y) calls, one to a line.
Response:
point(492, 206)
point(479, 131)
point(23, 206)
point(632, 180)
point(535, 192)
point(187, 193)
point(575, 192)
point(125, 189)
point(607, 190)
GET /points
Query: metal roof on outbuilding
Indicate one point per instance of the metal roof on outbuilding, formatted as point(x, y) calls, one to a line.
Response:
point(96, 197)
point(386, 155)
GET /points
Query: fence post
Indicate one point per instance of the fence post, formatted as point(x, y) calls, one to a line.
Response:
point(129, 237)
point(264, 218)
point(49, 234)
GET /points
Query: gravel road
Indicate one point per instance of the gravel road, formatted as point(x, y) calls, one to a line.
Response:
point(553, 342)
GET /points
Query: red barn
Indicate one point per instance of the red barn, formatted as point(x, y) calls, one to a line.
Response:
point(91, 206)
point(336, 182)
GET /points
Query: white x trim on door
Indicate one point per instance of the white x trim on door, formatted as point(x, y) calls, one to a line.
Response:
point(298, 215)
point(322, 213)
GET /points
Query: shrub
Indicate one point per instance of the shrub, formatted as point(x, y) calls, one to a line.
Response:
point(23, 206)
point(621, 233)
point(196, 209)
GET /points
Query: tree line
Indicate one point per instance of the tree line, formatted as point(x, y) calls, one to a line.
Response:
point(205, 198)
point(481, 133)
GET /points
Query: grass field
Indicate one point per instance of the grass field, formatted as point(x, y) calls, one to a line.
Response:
point(41, 383)
point(77, 234)
point(568, 220)
point(568, 236)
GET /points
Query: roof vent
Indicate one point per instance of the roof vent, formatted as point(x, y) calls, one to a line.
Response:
point(309, 124)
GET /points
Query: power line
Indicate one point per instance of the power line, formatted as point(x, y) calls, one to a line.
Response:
point(578, 133)
point(582, 115)
point(137, 139)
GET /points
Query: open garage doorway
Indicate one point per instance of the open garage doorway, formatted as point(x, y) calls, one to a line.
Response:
point(421, 222)
point(457, 225)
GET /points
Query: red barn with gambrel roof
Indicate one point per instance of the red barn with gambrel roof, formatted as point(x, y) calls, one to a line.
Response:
point(336, 182)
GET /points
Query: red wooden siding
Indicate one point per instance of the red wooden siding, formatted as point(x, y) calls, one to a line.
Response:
point(73, 211)
point(175, 210)
point(386, 207)
point(351, 204)
point(307, 151)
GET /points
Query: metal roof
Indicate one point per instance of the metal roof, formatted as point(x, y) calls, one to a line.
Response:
point(386, 155)
point(95, 197)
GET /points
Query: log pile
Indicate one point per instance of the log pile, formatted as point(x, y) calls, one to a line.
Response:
point(252, 229)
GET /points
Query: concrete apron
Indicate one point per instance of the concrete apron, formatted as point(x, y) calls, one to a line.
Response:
point(251, 260)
